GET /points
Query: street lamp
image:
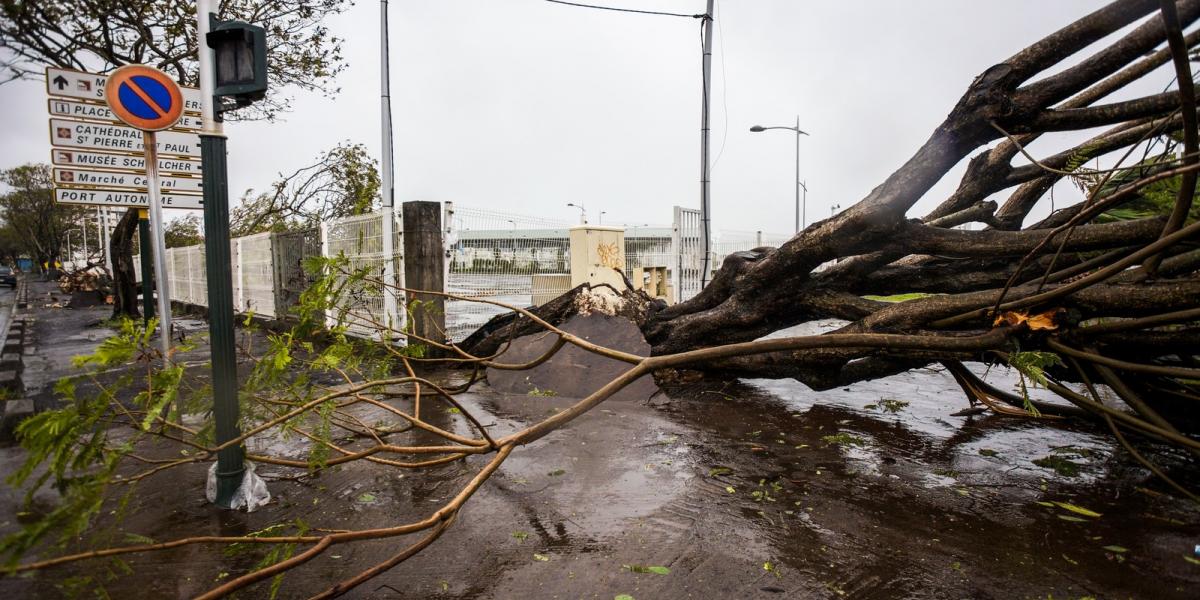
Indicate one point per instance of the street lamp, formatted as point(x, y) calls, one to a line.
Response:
point(602, 213)
point(800, 206)
point(582, 212)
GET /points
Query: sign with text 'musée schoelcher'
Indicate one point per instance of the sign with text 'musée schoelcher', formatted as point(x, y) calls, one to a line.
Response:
point(85, 159)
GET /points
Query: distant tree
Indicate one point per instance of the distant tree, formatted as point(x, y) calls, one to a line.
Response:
point(100, 35)
point(184, 232)
point(33, 223)
point(343, 181)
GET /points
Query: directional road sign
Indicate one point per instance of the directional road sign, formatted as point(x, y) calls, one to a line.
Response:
point(78, 109)
point(119, 138)
point(123, 198)
point(121, 162)
point(90, 86)
point(143, 97)
point(137, 181)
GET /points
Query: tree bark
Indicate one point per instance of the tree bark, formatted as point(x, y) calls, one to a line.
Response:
point(125, 301)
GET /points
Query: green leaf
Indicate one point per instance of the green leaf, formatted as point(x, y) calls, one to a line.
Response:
point(718, 471)
point(134, 538)
point(646, 569)
point(556, 472)
point(1117, 549)
point(366, 497)
point(622, 597)
point(1072, 519)
point(541, 557)
point(1191, 560)
point(1077, 509)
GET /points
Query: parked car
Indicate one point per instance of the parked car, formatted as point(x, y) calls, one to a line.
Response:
point(7, 277)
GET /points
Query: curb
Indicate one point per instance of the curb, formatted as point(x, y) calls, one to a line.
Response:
point(14, 408)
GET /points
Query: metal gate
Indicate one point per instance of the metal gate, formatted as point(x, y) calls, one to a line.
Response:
point(688, 250)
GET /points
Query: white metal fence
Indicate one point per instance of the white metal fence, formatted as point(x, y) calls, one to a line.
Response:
point(360, 240)
point(504, 257)
point(490, 255)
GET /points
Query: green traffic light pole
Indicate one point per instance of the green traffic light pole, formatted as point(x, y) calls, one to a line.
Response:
point(230, 461)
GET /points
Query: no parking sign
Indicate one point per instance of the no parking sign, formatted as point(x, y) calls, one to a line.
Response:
point(144, 97)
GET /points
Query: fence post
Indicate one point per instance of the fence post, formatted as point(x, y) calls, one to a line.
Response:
point(241, 269)
point(448, 238)
point(329, 320)
point(424, 261)
point(276, 244)
point(677, 256)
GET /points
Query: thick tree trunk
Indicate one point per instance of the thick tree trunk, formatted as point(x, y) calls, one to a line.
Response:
point(1041, 291)
point(125, 301)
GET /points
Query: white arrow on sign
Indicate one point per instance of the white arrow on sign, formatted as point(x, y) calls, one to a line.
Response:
point(78, 109)
point(122, 198)
point(90, 86)
point(123, 162)
point(137, 181)
point(98, 136)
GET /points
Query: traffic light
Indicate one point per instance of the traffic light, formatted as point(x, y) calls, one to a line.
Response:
point(240, 63)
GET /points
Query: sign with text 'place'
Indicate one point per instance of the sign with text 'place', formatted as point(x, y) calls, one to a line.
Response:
point(124, 198)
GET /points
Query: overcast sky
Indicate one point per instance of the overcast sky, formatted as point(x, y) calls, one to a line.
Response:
point(524, 105)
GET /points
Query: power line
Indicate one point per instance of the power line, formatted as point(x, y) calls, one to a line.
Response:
point(628, 10)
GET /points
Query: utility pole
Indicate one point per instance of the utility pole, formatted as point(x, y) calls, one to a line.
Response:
point(705, 200)
point(387, 190)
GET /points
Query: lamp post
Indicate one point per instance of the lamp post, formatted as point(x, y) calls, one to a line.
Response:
point(801, 207)
point(582, 212)
point(602, 213)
